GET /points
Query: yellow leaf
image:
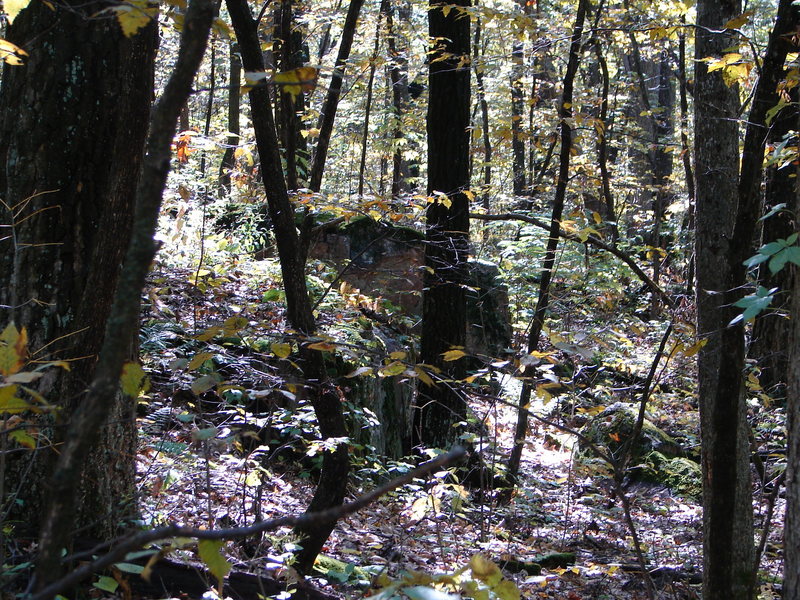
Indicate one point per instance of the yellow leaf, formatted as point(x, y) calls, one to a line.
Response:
point(233, 325)
point(9, 403)
point(23, 438)
point(280, 349)
point(208, 334)
point(398, 355)
point(452, 355)
point(322, 346)
point(596, 217)
point(392, 369)
point(506, 590)
point(727, 59)
point(13, 7)
point(695, 348)
point(423, 376)
point(209, 551)
point(134, 379)
point(134, 15)
point(198, 360)
point(485, 570)
point(11, 53)
point(13, 350)
point(470, 195)
point(737, 22)
point(301, 79)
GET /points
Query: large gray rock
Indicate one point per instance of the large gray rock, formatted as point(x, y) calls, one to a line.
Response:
point(386, 260)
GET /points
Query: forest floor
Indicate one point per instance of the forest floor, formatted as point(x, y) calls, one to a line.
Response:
point(216, 479)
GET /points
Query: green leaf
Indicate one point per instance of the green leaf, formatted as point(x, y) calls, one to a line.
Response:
point(198, 360)
point(773, 211)
point(129, 568)
point(107, 584)
point(211, 557)
point(204, 383)
point(134, 380)
point(281, 350)
point(756, 259)
point(753, 304)
point(208, 433)
point(778, 261)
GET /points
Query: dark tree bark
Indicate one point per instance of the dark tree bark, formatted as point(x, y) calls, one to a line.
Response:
point(727, 211)
point(484, 108)
point(517, 107)
point(290, 107)
point(234, 103)
point(791, 531)
point(686, 156)
point(728, 550)
point(771, 330)
point(543, 302)
point(362, 163)
point(328, 114)
point(98, 405)
point(397, 47)
point(72, 127)
point(325, 397)
point(444, 322)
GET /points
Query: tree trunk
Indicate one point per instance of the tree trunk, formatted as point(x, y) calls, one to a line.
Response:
point(72, 128)
point(334, 92)
point(234, 102)
point(444, 321)
point(97, 407)
point(517, 107)
point(398, 76)
point(543, 302)
point(325, 398)
point(771, 330)
point(726, 216)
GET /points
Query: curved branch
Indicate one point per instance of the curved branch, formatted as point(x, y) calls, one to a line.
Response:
point(592, 240)
point(123, 545)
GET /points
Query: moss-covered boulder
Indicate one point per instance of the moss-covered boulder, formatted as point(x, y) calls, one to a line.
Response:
point(612, 428)
point(655, 456)
point(679, 474)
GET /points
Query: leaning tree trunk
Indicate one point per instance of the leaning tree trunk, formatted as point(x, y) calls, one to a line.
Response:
point(543, 302)
point(325, 397)
point(72, 128)
point(444, 320)
point(331, 103)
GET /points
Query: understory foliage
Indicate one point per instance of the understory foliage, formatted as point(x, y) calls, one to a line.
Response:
point(284, 362)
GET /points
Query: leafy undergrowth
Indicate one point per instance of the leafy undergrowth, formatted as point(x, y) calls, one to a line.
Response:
point(227, 438)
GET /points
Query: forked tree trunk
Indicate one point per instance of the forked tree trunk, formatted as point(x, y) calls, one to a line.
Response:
point(72, 128)
point(727, 211)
